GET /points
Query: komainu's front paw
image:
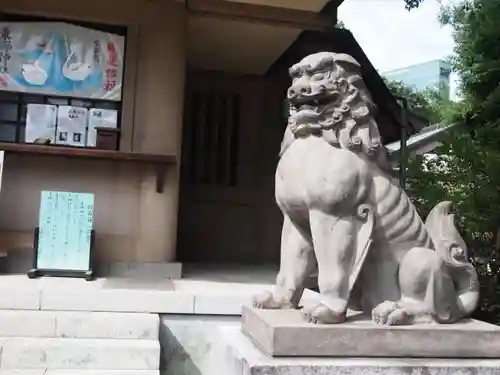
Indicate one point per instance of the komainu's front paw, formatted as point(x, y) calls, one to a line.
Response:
point(268, 300)
point(399, 317)
point(321, 314)
point(382, 311)
point(389, 313)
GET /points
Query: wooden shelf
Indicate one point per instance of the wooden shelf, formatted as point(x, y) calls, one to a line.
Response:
point(159, 161)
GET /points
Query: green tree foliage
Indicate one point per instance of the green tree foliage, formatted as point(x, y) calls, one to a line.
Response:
point(431, 104)
point(466, 169)
point(411, 4)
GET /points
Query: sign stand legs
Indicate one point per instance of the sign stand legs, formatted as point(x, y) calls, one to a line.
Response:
point(35, 272)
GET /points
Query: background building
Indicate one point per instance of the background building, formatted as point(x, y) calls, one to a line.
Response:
point(431, 74)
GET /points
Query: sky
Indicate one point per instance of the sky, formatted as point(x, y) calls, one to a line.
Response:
point(394, 38)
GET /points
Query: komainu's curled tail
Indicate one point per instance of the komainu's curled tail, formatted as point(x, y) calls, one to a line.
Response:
point(451, 247)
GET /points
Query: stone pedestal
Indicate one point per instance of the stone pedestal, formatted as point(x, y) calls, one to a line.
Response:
point(240, 356)
point(285, 333)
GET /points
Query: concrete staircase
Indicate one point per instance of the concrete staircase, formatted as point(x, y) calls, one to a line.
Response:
point(78, 343)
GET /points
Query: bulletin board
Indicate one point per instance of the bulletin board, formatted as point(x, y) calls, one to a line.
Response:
point(64, 237)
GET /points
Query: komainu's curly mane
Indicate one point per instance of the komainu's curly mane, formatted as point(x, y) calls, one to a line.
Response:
point(347, 119)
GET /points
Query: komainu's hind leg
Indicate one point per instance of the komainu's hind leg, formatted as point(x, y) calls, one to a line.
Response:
point(297, 263)
point(427, 290)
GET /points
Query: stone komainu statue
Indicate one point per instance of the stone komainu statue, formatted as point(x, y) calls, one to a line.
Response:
point(346, 215)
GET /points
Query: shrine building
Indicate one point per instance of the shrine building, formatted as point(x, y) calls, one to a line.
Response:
point(193, 92)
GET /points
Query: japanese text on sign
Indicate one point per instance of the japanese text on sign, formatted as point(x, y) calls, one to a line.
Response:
point(5, 49)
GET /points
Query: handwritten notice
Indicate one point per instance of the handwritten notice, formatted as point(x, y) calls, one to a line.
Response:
point(65, 225)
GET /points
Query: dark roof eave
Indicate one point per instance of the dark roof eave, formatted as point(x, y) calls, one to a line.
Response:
point(310, 41)
point(331, 7)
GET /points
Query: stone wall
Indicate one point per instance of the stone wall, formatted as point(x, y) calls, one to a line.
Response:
point(191, 344)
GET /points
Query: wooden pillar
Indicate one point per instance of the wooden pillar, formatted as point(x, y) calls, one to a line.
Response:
point(158, 122)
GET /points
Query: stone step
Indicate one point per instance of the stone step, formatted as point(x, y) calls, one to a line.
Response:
point(71, 324)
point(79, 372)
point(79, 354)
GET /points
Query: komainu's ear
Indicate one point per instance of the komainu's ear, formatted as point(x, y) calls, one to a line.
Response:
point(343, 57)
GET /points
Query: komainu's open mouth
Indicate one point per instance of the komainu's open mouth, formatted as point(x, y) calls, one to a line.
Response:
point(311, 103)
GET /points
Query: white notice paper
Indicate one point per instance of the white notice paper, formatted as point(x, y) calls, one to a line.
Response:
point(65, 222)
point(71, 126)
point(40, 122)
point(106, 118)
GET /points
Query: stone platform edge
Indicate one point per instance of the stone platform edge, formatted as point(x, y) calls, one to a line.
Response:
point(130, 295)
point(284, 333)
point(242, 357)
